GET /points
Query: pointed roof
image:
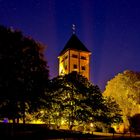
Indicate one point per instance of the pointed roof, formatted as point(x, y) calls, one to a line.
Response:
point(75, 44)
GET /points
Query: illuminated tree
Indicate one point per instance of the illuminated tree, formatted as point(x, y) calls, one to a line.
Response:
point(76, 101)
point(23, 73)
point(125, 89)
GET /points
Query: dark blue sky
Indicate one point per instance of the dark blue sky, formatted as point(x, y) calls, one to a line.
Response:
point(110, 29)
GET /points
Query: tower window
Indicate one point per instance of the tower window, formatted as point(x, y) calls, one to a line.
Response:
point(74, 66)
point(83, 68)
point(74, 56)
point(66, 57)
point(83, 57)
point(65, 67)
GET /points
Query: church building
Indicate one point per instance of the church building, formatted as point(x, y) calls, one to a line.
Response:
point(74, 57)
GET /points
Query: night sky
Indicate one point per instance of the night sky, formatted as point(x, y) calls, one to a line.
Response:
point(110, 29)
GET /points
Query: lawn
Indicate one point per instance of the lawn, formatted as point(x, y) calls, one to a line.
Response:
point(41, 132)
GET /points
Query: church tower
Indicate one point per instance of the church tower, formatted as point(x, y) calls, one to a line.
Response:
point(74, 57)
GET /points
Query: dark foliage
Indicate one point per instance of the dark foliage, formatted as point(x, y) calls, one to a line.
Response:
point(135, 123)
point(23, 73)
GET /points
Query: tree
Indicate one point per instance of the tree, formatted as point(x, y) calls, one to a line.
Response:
point(125, 89)
point(75, 100)
point(135, 123)
point(112, 111)
point(23, 75)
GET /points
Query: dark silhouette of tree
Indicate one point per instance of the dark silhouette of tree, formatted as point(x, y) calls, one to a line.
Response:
point(23, 75)
point(135, 123)
point(111, 112)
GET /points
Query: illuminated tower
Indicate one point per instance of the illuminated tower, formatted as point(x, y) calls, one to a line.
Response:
point(74, 57)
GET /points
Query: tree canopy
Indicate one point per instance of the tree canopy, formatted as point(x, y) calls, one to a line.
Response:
point(76, 101)
point(23, 75)
point(125, 89)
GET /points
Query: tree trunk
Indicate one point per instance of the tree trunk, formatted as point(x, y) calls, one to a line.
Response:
point(23, 112)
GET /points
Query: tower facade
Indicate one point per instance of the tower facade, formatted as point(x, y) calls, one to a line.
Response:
point(74, 57)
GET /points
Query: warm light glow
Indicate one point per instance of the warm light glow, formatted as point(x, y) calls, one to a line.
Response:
point(91, 124)
point(62, 122)
point(61, 69)
point(37, 122)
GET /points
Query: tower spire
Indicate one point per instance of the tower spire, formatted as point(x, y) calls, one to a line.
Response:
point(73, 28)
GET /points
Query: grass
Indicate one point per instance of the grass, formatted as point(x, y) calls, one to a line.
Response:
point(42, 132)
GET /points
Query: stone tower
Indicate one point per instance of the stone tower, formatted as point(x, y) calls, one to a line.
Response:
point(74, 57)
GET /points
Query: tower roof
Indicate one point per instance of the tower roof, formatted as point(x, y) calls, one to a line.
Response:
point(75, 44)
